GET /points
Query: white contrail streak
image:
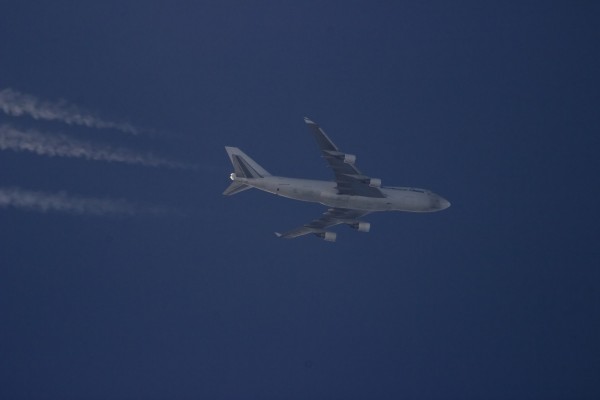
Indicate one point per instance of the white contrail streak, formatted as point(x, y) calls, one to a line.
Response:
point(59, 145)
point(62, 202)
point(16, 104)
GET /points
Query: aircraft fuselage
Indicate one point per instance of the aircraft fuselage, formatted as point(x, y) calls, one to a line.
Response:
point(325, 192)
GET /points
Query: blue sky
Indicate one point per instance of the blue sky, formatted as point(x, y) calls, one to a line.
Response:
point(138, 279)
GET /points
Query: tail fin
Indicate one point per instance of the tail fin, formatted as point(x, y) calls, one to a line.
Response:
point(244, 166)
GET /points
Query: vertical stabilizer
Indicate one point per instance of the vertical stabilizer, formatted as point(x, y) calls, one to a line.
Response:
point(244, 166)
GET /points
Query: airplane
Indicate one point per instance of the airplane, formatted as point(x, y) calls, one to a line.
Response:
point(350, 197)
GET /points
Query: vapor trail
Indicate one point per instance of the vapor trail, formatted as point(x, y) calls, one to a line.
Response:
point(16, 104)
point(62, 202)
point(60, 145)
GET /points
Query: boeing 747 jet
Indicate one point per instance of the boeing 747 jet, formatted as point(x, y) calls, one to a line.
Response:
point(350, 197)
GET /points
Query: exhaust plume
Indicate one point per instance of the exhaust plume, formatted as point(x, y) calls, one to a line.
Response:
point(59, 145)
point(63, 202)
point(17, 104)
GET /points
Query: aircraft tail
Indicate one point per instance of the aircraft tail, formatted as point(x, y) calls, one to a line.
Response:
point(236, 187)
point(243, 167)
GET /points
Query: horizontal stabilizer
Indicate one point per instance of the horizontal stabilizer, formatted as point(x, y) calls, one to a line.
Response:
point(236, 187)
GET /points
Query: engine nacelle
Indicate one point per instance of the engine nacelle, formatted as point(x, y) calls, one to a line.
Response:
point(349, 159)
point(328, 236)
point(361, 226)
point(375, 182)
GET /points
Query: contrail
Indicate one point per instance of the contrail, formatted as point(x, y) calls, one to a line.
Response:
point(60, 145)
point(16, 104)
point(63, 202)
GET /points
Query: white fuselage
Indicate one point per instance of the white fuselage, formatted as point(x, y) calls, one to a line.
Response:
point(325, 192)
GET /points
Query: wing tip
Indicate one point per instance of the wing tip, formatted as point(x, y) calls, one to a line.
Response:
point(309, 121)
point(278, 234)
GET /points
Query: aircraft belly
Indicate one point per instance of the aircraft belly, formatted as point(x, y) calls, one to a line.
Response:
point(354, 202)
point(298, 193)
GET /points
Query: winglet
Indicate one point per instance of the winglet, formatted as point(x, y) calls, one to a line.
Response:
point(308, 121)
point(278, 234)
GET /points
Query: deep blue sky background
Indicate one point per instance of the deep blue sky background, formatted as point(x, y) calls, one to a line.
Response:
point(494, 105)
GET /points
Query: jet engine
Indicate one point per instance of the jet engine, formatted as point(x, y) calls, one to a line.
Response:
point(349, 159)
point(361, 226)
point(328, 236)
point(374, 182)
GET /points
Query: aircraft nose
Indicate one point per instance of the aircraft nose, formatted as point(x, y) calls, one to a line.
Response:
point(441, 203)
point(444, 203)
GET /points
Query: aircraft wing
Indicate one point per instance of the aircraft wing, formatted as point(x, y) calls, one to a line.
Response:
point(349, 179)
point(332, 217)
